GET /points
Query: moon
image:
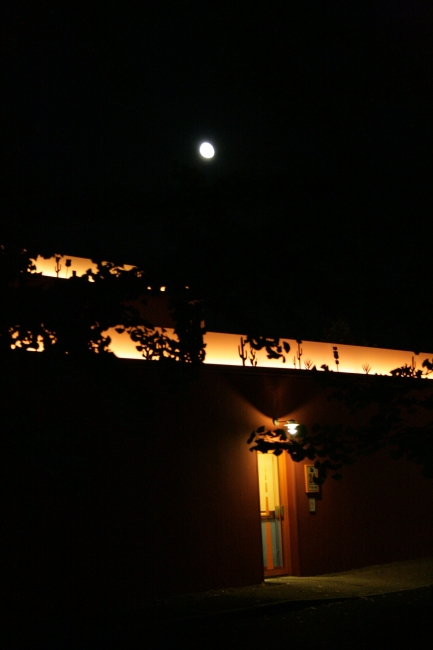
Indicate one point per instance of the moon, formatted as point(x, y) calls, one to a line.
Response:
point(207, 150)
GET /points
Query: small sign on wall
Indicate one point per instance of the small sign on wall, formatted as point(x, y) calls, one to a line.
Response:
point(310, 473)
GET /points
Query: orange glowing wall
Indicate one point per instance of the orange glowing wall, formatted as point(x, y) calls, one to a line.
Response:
point(382, 509)
point(222, 349)
point(375, 514)
point(157, 492)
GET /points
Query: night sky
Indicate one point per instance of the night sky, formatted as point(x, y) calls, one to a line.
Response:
point(313, 214)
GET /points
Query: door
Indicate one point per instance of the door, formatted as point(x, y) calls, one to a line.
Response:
point(273, 514)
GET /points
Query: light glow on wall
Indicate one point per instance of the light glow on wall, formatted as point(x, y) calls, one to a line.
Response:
point(222, 349)
point(79, 265)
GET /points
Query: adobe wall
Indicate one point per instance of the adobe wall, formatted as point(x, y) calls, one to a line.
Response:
point(124, 482)
point(382, 509)
point(180, 498)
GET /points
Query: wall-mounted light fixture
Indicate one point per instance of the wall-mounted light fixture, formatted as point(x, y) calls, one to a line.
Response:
point(291, 425)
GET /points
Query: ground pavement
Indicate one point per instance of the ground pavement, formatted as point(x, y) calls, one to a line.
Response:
point(363, 608)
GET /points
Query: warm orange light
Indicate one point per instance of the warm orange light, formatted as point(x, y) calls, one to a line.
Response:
point(56, 267)
point(222, 349)
point(64, 266)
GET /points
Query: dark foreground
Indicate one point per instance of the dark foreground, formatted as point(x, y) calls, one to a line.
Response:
point(368, 622)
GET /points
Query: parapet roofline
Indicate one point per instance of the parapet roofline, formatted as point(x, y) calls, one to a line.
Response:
point(232, 349)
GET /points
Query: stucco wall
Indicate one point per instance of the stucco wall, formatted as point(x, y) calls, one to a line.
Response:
point(123, 481)
point(380, 511)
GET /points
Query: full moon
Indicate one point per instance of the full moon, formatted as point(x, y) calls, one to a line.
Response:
point(207, 150)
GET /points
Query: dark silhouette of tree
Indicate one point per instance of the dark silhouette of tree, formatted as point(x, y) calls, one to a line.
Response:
point(15, 313)
point(401, 420)
point(69, 316)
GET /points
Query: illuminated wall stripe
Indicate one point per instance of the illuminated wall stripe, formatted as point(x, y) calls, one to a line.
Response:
point(222, 349)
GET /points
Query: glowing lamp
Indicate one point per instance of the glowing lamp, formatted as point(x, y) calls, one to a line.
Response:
point(291, 426)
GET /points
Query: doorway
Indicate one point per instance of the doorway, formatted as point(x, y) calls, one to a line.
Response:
point(274, 514)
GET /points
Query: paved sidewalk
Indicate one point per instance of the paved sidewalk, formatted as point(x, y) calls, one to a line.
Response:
point(335, 611)
point(288, 593)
